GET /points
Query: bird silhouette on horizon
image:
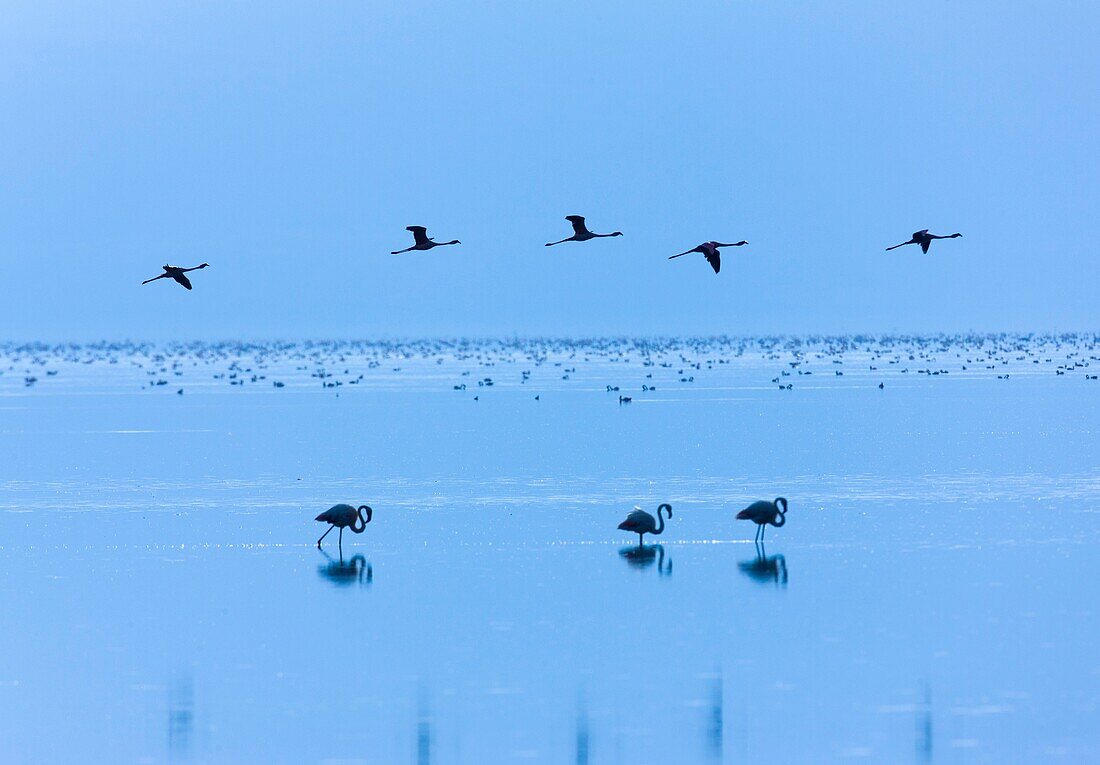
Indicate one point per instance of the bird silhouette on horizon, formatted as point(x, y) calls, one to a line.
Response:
point(642, 523)
point(762, 513)
point(581, 232)
point(421, 240)
point(709, 251)
point(924, 239)
point(177, 273)
point(344, 516)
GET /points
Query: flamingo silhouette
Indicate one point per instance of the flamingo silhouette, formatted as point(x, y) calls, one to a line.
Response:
point(177, 273)
point(344, 516)
point(923, 238)
point(710, 252)
point(763, 512)
point(421, 240)
point(581, 232)
point(641, 522)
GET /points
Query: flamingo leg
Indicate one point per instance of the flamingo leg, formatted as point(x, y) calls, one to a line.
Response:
point(763, 528)
point(341, 542)
point(330, 528)
point(640, 538)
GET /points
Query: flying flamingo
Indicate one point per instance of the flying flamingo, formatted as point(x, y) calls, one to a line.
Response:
point(710, 252)
point(923, 238)
point(641, 522)
point(422, 242)
point(764, 512)
point(344, 516)
point(581, 232)
point(177, 273)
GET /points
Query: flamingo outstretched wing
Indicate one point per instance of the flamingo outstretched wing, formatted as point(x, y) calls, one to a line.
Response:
point(420, 234)
point(578, 224)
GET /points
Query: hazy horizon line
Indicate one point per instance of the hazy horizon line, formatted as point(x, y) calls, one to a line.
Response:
point(552, 338)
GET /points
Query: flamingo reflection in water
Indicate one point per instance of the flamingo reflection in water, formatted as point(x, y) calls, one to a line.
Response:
point(345, 574)
point(644, 556)
point(765, 569)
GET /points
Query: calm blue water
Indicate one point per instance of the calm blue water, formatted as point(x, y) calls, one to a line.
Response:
point(932, 597)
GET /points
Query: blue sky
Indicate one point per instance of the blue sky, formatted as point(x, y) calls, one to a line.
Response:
point(289, 144)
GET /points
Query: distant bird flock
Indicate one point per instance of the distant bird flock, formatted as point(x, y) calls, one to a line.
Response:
point(422, 242)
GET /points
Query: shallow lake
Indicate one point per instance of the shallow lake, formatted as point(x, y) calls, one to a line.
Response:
point(932, 597)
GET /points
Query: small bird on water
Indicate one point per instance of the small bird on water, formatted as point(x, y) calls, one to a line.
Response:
point(641, 522)
point(344, 516)
point(581, 232)
point(710, 252)
point(176, 273)
point(421, 240)
point(763, 512)
point(923, 238)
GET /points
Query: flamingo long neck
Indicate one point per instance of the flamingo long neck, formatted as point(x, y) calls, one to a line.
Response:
point(780, 516)
point(362, 521)
point(661, 519)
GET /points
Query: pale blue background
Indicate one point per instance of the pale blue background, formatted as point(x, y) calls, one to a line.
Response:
point(290, 143)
